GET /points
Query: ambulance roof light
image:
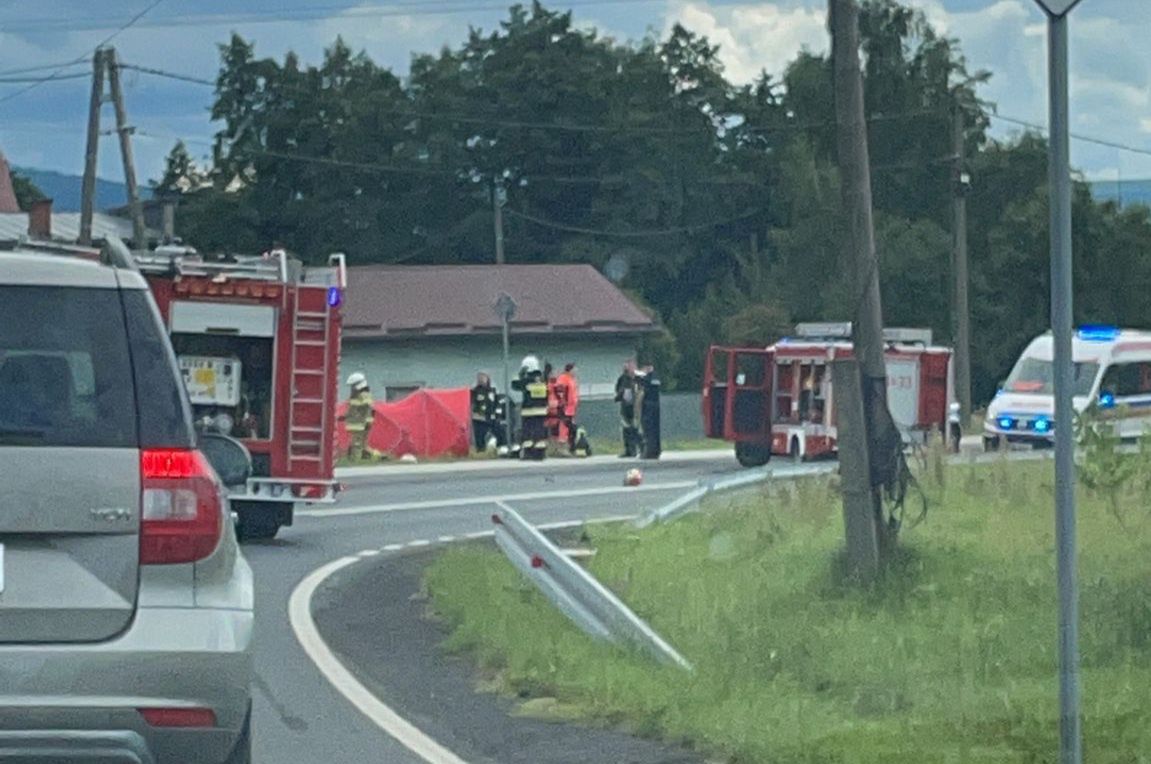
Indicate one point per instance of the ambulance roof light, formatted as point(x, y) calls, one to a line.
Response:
point(1098, 333)
point(824, 330)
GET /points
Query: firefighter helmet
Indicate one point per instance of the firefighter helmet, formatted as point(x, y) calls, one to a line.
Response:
point(530, 364)
point(357, 380)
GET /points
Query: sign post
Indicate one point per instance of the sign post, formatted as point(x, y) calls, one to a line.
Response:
point(1059, 178)
point(505, 308)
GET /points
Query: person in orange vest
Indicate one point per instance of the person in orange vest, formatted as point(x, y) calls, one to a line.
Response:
point(567, 395)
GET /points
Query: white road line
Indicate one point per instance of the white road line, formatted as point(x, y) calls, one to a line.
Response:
point(678, 485)
point(419, 542)
point(480, 534)
point(300, 616)
point(392, 548)
point(369, 553)
point(447, 539)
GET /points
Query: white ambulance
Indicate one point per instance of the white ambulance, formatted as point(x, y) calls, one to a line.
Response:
point(1112, 377)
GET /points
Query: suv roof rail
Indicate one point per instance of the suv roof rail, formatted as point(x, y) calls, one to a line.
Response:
point(113, 251)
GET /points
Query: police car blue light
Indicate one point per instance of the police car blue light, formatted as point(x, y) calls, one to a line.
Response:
point(1006, 422)
point(1106, 400)
point(1041, 424)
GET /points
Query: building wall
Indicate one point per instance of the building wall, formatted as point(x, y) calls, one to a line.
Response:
point(454, 361)
point(681, 420)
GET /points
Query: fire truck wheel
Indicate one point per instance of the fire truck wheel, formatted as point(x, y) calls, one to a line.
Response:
point(752, 454)
point(990, 444)
point(254, 523)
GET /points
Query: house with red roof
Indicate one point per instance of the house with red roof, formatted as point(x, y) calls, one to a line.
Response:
point(407, 327)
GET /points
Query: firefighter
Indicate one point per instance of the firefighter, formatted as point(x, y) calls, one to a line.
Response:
point(625, 394)
point(501, 422)
point(567, 395)
point(534, 410)
point(649, 390)
point(483, 412)
point(358, 418)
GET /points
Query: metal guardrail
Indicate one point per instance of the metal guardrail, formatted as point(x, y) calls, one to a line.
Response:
point(583, 599)
point(690, 501)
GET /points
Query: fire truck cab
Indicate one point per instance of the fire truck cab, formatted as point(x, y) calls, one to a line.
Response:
point(258, 341)
point(780, 401)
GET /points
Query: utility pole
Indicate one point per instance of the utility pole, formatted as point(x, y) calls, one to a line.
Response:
point(883, 441)
point(960, 307)
point(124, 131)
point(88, 189)
point(499, 199)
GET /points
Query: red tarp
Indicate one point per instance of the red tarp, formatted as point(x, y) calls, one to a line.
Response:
point(426, 423)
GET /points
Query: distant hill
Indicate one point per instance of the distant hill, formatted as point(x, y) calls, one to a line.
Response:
point(1126, 192)
point(64, 190)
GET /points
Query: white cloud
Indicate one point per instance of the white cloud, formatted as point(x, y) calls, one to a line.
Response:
point(753, 37)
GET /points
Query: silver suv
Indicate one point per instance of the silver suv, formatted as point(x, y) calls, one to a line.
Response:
point(125, 605)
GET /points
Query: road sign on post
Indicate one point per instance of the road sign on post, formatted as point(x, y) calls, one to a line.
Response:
point(1059, 177)
point(505, 308)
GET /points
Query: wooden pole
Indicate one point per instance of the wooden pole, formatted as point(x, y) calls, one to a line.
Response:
point(139, 232)
point(883, 441)
point(860, 528)
point(88, 187)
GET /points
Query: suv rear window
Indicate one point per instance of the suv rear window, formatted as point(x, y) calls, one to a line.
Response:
point(65, 370)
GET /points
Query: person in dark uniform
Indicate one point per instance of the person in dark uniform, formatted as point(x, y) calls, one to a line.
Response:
point(625, 395)
point(483, 411)
point(649, 390)
point(534, 411)
point(500, 422)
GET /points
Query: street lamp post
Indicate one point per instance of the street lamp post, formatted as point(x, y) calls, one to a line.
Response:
point(1059, 178)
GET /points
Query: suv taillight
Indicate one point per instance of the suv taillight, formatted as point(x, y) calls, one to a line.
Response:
point(180, 512)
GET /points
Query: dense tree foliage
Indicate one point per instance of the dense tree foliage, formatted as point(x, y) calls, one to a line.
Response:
point(722, 199)
point(26, 191)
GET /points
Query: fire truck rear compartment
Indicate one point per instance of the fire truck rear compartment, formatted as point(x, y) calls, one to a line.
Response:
point(253, 416)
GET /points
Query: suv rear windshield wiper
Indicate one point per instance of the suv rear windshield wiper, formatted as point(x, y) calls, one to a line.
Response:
point(16, 436)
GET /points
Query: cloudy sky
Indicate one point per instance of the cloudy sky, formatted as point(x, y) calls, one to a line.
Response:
point(44, 126)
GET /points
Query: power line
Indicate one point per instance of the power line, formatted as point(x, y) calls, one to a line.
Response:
point(168, 75)
point(42, 67)
point(1077, 136)
point(305, 13)
point(82, 58)
point(571, 127)
point(45, 80)
point(630, 234)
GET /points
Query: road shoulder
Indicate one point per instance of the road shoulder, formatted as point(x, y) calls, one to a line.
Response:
point(372, 615)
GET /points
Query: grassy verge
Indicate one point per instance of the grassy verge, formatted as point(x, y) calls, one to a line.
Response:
point(951, 660)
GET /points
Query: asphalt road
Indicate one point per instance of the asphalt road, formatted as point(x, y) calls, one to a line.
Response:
point(299, 716)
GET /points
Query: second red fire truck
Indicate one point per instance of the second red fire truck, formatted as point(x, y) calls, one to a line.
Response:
point(780, 400)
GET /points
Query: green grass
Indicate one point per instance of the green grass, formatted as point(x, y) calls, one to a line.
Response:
point(952, 659)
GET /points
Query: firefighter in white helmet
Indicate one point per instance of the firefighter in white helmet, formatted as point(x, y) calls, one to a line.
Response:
point(358, 418)
point(534, 411)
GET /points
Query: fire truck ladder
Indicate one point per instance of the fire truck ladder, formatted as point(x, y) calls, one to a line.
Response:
point(309, 433)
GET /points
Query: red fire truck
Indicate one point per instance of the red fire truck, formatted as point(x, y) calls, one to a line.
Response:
point(258, 341)
point(780, 400)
